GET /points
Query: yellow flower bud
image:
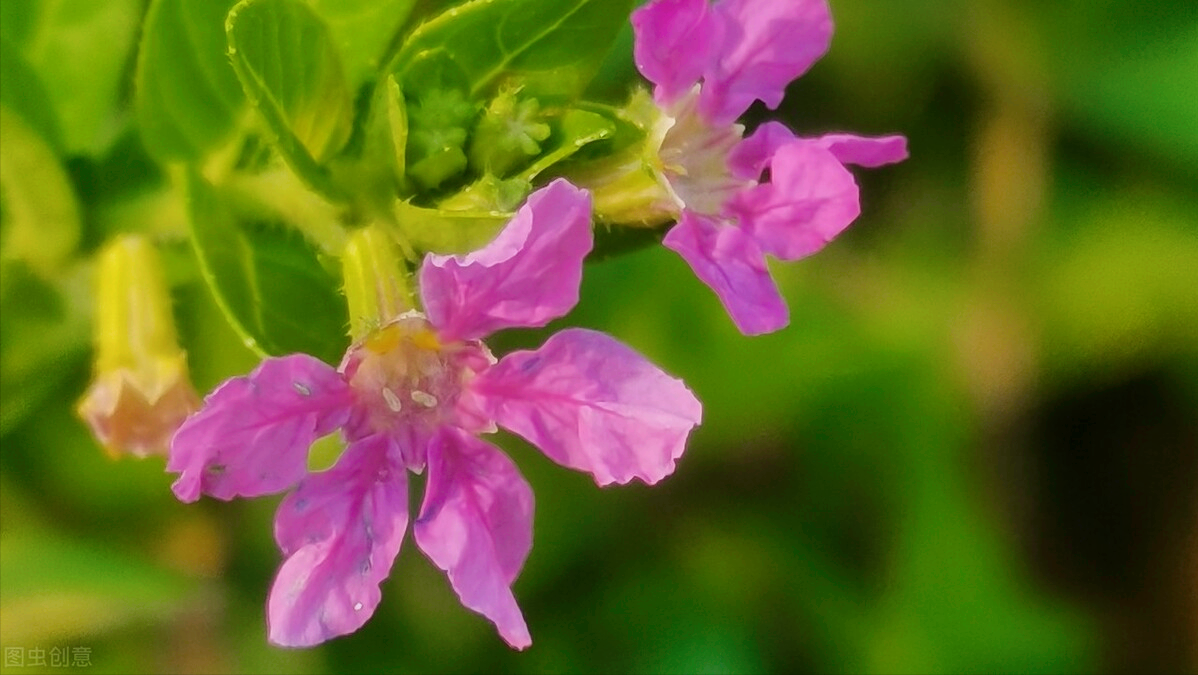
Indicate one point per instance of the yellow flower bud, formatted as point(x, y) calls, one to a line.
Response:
point(141, 391)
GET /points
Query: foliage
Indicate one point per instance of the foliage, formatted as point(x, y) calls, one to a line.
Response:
point(853, 500)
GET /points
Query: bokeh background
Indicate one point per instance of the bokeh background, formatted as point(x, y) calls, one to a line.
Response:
point(975, 449)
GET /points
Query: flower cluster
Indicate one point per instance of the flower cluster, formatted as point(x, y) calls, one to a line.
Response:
point(471, 164)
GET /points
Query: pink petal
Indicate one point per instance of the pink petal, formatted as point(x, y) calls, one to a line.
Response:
point(252, 435)
point(769, 43)
point(750, 157)
point(675, 43)
point(869, 152)
point(592, 404)
point(340, 530)
point(528, 276)
point(809, 200)
point(476, 524)
point(732, 265)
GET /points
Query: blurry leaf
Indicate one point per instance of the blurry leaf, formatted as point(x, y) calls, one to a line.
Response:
point(24, 94)
point(362, 31)
point(954, 600)
point(1120, 291)
point(442, 231)
point(290, 70)
point(80, 50)
point(39, 219)
point(1124, 82)
point(43, 333)
point(53, 587)
point(551, 48)
point(267, 279)
point(187, 98)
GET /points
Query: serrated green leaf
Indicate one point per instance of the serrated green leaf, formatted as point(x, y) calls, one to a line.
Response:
point(267, 279)
point(24, 94)
point(289, 68)
point(187, 97)
point(362, 31)
point(550, 48)
point(80, 51)
point(39, 218)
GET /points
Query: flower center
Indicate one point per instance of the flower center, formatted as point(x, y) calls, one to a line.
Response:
point(694, 158)
point(406, 379)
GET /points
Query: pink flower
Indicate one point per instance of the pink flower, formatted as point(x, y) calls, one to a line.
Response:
point(416, 394)
point(709, 63)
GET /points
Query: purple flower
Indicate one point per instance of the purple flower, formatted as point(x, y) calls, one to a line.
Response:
point(709, 63)
point(415, 394)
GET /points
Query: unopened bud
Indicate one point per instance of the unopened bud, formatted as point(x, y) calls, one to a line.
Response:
point(508, 135)
point(140, 392)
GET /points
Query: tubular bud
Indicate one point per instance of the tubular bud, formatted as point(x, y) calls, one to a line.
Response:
point(140, 392)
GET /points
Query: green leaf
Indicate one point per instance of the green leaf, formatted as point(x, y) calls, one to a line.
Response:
point(267, 279)
point(43, 335)
point(187, 99)
point(80, 51)
point(443, 231)
point(39, 219)
point(362, 31)
point(387, 137)
point(290, 70)
point(24, 94)
point(56, 587)
point(550, 48)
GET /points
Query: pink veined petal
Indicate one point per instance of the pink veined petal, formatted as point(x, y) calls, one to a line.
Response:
point(476, 524)
point(866, 151)
point(340, 530)
point(768, 44)
point(251, 436)
point(750, 157)
point(729, 261)
point(809, 200)
point(675, 43)
point(591, 403)
point(528, 276)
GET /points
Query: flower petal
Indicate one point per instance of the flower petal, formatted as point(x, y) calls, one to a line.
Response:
point(750, 157)
point(865, 151)
point(528, 276)
point(476, 524)
point(340, 530)
point(768, 43)
point(592, 404)
point(252, 435)
point(809, 200)
point(732, 265)
point(675, 43)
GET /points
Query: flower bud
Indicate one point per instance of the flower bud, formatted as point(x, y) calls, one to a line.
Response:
point(437, 128)
point(141, 391)
point(507, 135)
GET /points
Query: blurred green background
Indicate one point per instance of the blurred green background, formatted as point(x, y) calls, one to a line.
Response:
point(975, 449)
